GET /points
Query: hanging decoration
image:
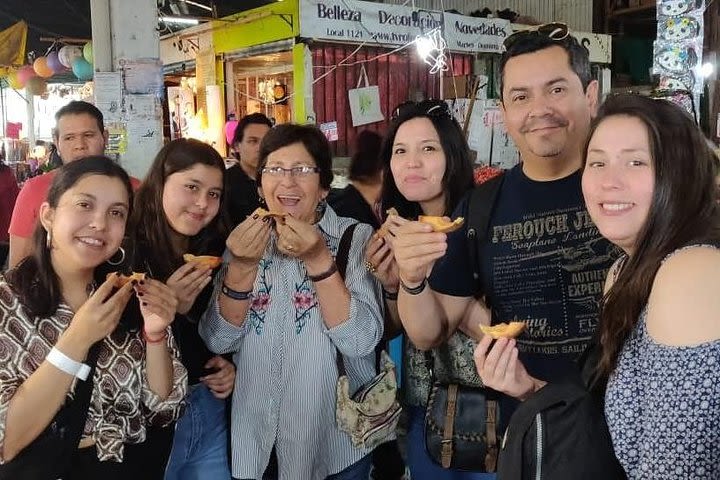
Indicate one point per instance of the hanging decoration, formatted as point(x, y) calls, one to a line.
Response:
point(36, 86)
point(42, 68)
point(54, 62)
point(24, 74)
point(13, 41)
point(431, 47)
point(82, 69)
point(68, 53)
point(88, 52)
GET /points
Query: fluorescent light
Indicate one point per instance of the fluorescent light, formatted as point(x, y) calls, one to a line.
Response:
point(180, 20)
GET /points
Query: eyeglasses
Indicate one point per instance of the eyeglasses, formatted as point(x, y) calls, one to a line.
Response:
point(301, 171)
point(431, 108)
point(554, 31)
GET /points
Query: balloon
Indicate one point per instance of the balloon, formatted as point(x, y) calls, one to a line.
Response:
point(25, 73)
point(68, 53)
point(54, 62)
point(82, 69)
point(36, 86)
point(42, 68)
point(88, 52)
point(230, 127)
point(13, 80)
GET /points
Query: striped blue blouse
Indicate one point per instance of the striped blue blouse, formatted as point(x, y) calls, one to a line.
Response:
point(285, 356)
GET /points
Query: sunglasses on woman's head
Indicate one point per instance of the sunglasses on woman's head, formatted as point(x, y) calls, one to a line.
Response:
point(426, 107)
point(554, 31)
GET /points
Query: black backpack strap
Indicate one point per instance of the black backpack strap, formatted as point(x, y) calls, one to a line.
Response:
point(341, 260)
point(480, 207)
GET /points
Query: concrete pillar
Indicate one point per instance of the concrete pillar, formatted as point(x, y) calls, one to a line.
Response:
point(124, 36)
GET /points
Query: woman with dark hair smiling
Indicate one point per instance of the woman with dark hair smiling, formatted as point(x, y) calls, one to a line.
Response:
point(427, 171)
point(285, 312)
point(62, 340)
point(180, 210)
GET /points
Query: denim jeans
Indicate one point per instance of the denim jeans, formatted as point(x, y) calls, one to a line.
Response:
point(421, 465)
point(359, 470)
point(200, 447)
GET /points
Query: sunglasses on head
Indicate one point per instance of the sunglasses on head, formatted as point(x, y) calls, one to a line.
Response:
point(554, 31)
point(431, 108)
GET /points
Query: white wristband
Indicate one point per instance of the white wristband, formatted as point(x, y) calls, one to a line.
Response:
point(67, 364)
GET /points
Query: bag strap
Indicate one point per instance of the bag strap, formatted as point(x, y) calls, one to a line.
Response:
point(362, 76)
point(446, 452)
point(341, 261)
point(480, 207)
point(77, 411)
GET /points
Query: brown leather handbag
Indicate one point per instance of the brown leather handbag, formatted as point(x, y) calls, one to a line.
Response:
point(461, 425)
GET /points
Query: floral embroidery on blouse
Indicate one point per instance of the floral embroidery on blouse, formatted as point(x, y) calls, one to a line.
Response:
point(304, 302)
point(260, 301)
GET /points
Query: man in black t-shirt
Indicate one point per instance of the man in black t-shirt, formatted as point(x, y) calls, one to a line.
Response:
point(243, 196)
point(543, 261)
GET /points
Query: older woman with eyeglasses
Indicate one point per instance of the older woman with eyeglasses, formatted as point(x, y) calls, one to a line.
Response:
point(281, 307)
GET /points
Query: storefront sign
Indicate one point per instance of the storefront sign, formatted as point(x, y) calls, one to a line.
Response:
point(396, 25)
point(472, 34)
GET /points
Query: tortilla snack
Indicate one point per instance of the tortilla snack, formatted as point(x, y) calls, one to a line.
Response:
point(209, 260)
point(504, 330)
point(440, 224)
point(122, 279)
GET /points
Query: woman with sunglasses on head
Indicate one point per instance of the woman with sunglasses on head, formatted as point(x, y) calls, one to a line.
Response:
point(285, 312)
point(427, 171)
point(179, 210)
point(59, 312)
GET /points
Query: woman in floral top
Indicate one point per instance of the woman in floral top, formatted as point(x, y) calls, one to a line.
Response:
point(284, 311)
point(57, 305)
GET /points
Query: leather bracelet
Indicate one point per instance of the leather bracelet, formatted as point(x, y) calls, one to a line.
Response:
point(414, 290)
point(235, 294)
point(390, 295)
point(67, 364)
point(326, 274)
point(152, 341)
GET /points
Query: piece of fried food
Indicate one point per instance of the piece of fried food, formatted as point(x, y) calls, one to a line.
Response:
point(504, 330)
point(122, 279)
point(262, 213)
point(440, 224)
point(209, 260)
point(382, 231)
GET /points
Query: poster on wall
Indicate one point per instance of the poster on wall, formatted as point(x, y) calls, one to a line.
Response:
point(181, 104)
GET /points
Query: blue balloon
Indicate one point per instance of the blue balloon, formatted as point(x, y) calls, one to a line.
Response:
point(82, 69)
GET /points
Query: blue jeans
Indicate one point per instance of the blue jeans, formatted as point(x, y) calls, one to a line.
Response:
point(359, 470)
point(200, 447)
point(421, 465)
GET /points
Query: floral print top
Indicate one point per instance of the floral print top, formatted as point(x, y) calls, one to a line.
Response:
point(285, 388)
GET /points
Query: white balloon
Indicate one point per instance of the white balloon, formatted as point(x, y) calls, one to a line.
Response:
point(68, 53)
